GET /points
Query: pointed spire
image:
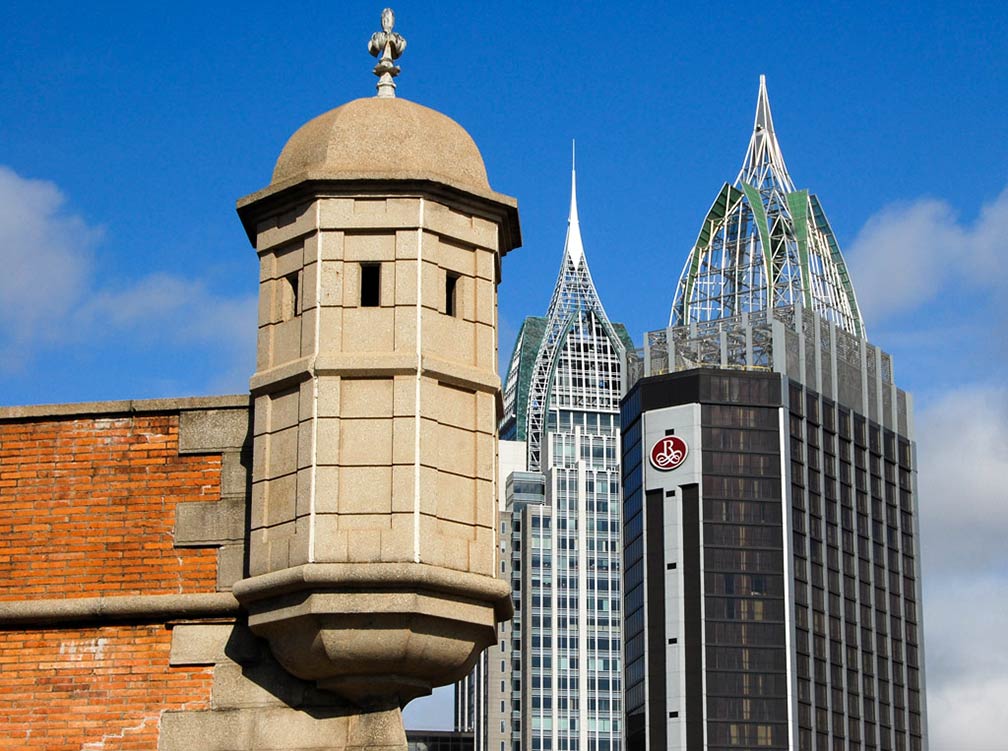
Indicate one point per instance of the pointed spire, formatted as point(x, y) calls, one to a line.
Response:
point(764, 120)
point(573, 247)
point(764, 160)
point(574, 289)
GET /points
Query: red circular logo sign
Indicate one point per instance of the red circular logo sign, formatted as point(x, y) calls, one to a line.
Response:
point(668, 452)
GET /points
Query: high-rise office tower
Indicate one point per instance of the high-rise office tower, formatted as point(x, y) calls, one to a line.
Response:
point(771, 561)
point(553, 682)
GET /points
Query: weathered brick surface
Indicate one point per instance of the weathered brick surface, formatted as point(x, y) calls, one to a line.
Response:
point(87, 508)
point(96, 689)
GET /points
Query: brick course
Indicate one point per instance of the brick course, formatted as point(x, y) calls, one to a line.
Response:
point(87, 508)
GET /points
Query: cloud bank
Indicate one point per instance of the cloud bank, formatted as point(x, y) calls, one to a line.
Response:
point(962, 463)
point(45, 254)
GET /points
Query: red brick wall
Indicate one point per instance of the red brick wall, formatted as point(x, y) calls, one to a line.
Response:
point(93, 689)
point(87, 508)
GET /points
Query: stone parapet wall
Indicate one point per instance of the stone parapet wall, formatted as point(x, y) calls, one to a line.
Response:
point(88, 505)
point(123, 524)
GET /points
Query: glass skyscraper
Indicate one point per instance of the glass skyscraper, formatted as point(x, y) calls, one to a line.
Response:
point(553, 682)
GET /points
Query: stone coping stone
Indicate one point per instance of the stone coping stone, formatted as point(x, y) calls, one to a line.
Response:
point(123, 407)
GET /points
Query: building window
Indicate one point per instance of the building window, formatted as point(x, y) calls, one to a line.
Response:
point(451, 294)
point(370, 288)
point(289, 301)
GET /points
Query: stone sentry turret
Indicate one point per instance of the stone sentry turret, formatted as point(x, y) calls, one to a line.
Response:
point(371, 551)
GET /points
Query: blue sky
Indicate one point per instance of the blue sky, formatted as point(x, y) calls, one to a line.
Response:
point(127, 134)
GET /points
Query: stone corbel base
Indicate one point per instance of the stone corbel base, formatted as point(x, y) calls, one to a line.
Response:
point(377, 634)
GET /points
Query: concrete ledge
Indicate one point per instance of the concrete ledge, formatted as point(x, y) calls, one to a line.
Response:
point(476, 379)
point(358, 363)
point(312, 185)
point(214, 430)
point(375, 364)
point(379, 577)
point(127, 607)
point(123, 407)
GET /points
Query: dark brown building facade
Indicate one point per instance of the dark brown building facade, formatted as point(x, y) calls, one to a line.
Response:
point(772, 575)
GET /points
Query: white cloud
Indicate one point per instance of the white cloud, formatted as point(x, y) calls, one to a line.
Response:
point(966, 664)
point(963, 462)
point(44, 255)
point(908, 254)
point(180, 310)
point(49, 296)
point(962, 446)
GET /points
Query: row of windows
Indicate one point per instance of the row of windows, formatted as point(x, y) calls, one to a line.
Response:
point(743, 535)
point(751, 684)
point(290, 304)
point(589, 421)
point(743, 464)
point(743, 609)
point(752, 512)
point(856, 428)
point(735, 735)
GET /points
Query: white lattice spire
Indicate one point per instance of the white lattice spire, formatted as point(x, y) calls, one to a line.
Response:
point(764, 160)
point(575, 289)
point(574, 297)
point(573, 247)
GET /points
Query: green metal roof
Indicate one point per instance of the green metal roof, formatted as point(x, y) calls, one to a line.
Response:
point(530, 335)
point(798, 206)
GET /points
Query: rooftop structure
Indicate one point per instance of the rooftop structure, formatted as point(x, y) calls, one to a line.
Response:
point(575, 307)
point(764, 244)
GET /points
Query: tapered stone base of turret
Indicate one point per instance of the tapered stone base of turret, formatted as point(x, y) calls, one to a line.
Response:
point(375, 633)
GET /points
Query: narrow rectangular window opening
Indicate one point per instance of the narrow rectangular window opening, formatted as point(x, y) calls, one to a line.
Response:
point(671, 566)
point(673, 715)
point(673, 640)
point(370, 287)
point(289, 302)
point(670, 431)
point(450, 293)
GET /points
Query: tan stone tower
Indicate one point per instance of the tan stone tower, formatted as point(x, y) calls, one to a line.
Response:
point(371, 555)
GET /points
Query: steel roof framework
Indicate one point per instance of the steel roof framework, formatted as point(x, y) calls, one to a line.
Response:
point(765, 244)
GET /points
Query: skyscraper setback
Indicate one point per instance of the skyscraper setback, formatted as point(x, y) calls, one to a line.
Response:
point(772, 570)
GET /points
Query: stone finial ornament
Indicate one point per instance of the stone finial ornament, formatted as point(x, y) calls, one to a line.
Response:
point(387, 46)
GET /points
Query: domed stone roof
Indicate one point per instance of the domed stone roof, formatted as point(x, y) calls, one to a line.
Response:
point(383, 138)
